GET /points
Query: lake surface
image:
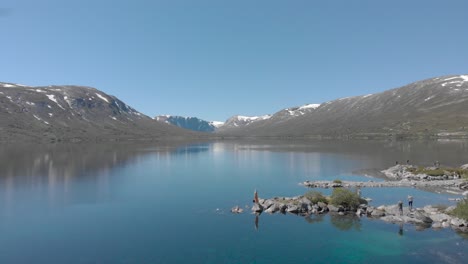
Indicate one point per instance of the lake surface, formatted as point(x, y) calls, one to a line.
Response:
point(170, 203)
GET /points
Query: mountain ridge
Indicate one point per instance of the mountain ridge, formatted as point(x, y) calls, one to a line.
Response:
point(432, 107)
point(73, 113)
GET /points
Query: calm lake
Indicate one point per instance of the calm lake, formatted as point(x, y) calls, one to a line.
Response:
point(170, 203)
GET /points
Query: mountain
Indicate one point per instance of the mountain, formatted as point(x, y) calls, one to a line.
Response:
point(73, 113)
point(239, 122)
point(191, 123)
point(436, 107)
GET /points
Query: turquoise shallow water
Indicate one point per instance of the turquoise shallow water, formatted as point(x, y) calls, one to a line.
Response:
point(142, 204)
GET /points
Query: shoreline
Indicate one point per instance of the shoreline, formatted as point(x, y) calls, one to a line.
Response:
point(430, 216)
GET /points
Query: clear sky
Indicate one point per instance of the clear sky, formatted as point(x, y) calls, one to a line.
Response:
point(213, 59)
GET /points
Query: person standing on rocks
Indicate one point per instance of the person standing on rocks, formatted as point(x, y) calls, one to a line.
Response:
point(400, 207)
point(255, 200)
point(410, 202)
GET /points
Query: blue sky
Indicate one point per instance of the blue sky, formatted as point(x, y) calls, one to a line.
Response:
point(214, 59)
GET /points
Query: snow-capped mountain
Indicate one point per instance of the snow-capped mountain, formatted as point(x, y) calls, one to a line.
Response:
point(51, 113)
point(191, 123)
point(239, 121)
point(430, 108)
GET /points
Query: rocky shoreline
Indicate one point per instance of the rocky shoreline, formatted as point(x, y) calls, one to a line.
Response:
point(435, 217)
point(401, 176)
point(425, 217)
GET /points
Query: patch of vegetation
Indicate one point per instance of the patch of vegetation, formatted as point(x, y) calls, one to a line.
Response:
point(461, 211)
point(345, 198)
point(439, 171)
point(316, 197)
point(337, 181)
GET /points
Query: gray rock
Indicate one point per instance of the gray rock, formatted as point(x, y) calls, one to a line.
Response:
point(445, 224)
point(304, 200)
point(273, 208)
point(257, 208)
point(332, 208)
point(420, 216)
point(439, 217)
point(377, 213)
point(437, 225)
point(292, 209)
point(392, 219)
point(321, 205)
point(267, 203)
point(457, 222)
point(283, 208)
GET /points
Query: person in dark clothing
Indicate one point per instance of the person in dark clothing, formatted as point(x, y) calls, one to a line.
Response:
point(400, 207)
point(410, 202)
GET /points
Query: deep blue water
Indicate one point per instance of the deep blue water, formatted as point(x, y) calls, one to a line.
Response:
point(170, 204)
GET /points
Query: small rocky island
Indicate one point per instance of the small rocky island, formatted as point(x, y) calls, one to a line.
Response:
point(345, 201)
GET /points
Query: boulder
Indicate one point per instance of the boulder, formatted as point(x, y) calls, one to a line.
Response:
point(237, 210)
point(441, 217)
point(420, 217)
point(273, 208)
point(377, 213)
point(321, 205)
point(304, 200)
point(267, 203)
point(445, 224)
point(257, 208)
point(292, 209)
point(392, 219)
point(437, 225)
point(282, 208)
point(333, 208)
point(457, 222)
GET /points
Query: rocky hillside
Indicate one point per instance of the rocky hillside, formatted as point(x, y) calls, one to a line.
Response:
point(73, 113)
point(191, 123)
point(435, 107)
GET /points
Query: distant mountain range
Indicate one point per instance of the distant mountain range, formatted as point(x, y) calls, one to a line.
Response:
point(74, 113)
point(431, 108)
point(436, 107)
point(191, 123)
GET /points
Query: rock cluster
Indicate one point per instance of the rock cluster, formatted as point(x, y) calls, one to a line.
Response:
point(401, 176)
point(425, 217)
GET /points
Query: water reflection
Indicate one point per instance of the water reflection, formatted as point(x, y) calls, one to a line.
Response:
point(345, 222)
point(314, 218)
point(52, 172)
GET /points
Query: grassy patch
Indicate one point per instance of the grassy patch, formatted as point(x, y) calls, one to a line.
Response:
point(461, 211)
point(345, 198)
point(337, 181)
point(316, 197)
point(439, 171)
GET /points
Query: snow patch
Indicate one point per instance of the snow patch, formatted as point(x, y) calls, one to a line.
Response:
point(30, 103)
point(252, 118)
point(464, 78)
point(51, 115)
point(217, 123)
point(309, 106)
point(40, 91)
point(52, 98)
point(102, 97)
point(367, 95)
point(6, 85)
point(429, 98)
point(45, 122)
point(113, 117)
